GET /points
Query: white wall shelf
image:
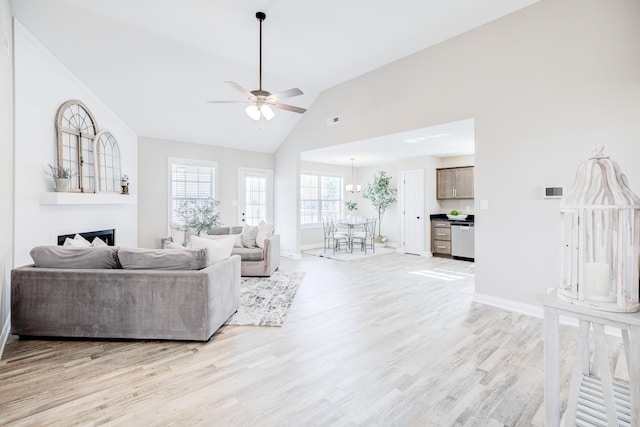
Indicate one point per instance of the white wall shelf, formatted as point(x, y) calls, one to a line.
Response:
point(53, 198)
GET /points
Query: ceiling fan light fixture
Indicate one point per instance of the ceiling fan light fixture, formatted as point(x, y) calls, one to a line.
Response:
point(259, 98)
point(267, 112)
point(253, 111)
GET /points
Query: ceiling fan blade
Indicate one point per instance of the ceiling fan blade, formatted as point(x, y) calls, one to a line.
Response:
point(240, 88)
point(285, 94)
point(224, 102)
point(288, 107)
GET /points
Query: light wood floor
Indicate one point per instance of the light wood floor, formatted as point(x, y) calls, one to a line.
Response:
point(393, 340)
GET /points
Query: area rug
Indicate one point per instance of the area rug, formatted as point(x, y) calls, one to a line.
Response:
point(265, 301)
point(347, 256)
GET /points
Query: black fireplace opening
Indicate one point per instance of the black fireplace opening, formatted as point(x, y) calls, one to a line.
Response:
point(109, 236)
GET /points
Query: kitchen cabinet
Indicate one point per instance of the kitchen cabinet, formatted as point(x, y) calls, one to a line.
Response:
point(441, 238)
point(454, 183)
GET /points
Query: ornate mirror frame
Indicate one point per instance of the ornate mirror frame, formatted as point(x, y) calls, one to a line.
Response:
point(76, 130)
point(107, 162)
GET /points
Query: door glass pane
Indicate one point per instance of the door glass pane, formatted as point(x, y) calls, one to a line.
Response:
point(255, 199)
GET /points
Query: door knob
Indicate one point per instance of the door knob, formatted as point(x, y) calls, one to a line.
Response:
point(418, 217)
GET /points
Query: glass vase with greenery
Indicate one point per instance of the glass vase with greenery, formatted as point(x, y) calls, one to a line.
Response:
point(381, 195)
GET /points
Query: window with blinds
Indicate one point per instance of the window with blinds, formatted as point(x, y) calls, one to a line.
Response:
point(190, 181)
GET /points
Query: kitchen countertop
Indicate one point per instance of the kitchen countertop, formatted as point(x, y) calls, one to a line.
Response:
point(443, 217)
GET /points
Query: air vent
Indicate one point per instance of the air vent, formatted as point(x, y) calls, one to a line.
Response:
point(333, 120)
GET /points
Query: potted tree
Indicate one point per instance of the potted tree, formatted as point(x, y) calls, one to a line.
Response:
point(200, 215)
point(61, 176)
point(381, 196)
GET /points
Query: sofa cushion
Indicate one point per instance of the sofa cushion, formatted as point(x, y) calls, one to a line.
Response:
point(248, 254)
point(217, 249)
point(238, 240)
point(180, 234)
point(162, 259)
point(216, 231)
point(249, 234)
point(264, 231)
point(168, 244)
point(75, 257)
point(235, 229)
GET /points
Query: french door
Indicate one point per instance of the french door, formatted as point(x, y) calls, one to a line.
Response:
point(255, 196)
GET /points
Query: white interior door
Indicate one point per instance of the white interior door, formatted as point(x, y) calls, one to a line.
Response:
point(255, 196)
point(413, 211)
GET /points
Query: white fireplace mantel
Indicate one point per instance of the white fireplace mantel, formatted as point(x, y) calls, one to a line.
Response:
point(59, 198)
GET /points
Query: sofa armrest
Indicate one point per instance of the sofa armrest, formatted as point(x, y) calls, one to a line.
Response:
point(165, 239)
point(272, 252)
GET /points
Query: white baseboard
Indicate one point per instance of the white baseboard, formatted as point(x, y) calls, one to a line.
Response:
point(311, 246)
point(5, 334)
point(509, 305)
point(528, 309)
point(291, 255)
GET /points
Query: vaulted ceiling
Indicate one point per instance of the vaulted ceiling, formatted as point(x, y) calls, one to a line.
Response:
point(155, 63)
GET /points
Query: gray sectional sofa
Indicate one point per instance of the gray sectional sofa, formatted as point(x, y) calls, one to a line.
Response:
point(260, 260)
point(255, 261)
point(159, 294)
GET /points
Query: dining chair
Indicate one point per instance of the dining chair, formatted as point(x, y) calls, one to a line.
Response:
point(366, 236)
point(332, 235)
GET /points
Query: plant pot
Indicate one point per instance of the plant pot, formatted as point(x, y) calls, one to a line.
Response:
point(381, 241)
point(62, 184)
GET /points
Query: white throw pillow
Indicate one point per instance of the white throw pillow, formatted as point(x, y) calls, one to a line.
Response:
point(77, 242)
point(264, 231)
point(177, 233)
point(217, 249)
point(168, 244)
point(238, 242)
point(249, 234)
point(98, 242)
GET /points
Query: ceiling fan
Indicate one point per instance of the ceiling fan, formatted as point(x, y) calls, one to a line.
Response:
point(260, 101)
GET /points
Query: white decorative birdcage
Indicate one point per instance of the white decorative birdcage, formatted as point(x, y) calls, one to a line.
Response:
point(600, 238)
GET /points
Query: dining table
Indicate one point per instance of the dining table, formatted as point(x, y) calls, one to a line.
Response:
point(350, 225)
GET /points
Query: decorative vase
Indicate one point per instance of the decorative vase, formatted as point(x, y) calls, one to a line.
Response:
point(62, 184)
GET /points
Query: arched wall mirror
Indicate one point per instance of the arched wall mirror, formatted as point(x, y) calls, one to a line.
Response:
point(76, 130)
point(108, 162)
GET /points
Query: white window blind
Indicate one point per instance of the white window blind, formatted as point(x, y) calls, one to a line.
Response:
point(190, 182)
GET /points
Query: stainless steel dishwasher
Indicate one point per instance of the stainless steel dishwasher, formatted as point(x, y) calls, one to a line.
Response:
point(462, 240)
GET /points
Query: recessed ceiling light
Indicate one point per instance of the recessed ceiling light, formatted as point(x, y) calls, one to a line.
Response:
point(413, 141)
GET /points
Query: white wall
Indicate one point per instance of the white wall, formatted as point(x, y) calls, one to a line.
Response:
point(543, 84)
point(6, 165)
point(42, 84)
point(153, 198)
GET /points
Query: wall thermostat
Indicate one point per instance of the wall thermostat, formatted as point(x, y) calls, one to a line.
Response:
point(553, 192)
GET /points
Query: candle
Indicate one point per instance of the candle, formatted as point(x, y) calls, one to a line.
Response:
point(596, 280)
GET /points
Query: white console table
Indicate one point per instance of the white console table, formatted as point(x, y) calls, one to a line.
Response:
point(595, 398)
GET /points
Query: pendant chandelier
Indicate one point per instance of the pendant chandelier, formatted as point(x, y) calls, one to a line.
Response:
point(350, 187)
